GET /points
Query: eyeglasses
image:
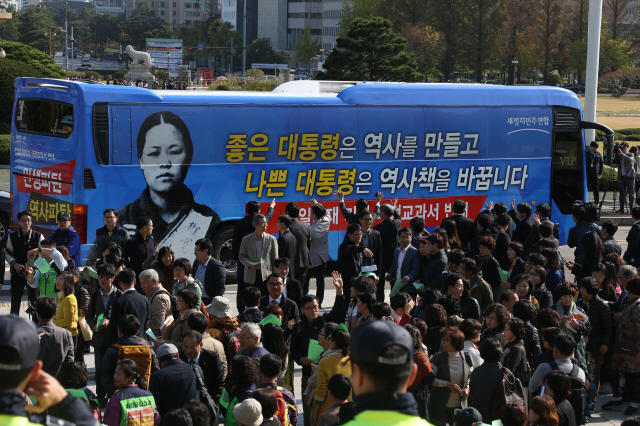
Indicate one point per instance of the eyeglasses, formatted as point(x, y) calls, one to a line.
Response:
point(103, 278)
point(275, 284)
point(311, 308)
point(110, 217)
point(323, 335)
point(25, 221)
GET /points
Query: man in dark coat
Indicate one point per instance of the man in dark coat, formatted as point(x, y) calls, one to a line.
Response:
point(503, 241)
point(351, 254)
point(56, 343)
point(139, 248)
point(130, 303)
point(251, 300)
point(632, 255)
point(372, 240)
point(608, 231)
point(389, 239)
point(292, 287)
point(175, 382)
point(543, 213)
point(301, 231)
point(431, 273)
point(209, 362)
point(241, 229)
point(361, 205)
point(595, 166)
point(484, 224)
point(466, 228)
point(522, 218)
point(286, 240)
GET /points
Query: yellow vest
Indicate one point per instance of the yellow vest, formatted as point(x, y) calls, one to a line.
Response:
point(386, 418)
point(6, 420)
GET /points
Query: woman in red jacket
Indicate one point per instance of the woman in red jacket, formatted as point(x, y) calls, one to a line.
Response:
point(424, 369)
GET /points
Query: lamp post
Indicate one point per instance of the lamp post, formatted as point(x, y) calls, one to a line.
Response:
point(512, 78)
point(169, 64)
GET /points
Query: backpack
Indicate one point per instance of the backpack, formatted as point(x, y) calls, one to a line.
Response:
point(282, 413)
point(578, 397)
point(509, 390)
point(230, 342)
point(141, 355)
point(174, 303)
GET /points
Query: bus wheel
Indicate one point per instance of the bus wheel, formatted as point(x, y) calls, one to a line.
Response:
point(221, 240)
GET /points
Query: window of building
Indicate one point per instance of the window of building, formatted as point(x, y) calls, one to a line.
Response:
point(187, 5)
point(174, 21)
point(161, 12)
point(187, 14)
point(195, 5)
point(174, 4)
point(162, 4)
point(152, 4)
point(174, 14)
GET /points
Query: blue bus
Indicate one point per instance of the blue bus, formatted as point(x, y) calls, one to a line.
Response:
point(191, 160)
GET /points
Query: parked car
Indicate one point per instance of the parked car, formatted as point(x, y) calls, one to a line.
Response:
point(575, 88)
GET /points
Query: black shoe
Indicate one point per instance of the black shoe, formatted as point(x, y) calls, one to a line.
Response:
point(630, 411)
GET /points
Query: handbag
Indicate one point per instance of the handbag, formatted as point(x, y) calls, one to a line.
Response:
point(627, 346)
point(205, 397)
point(87, 332)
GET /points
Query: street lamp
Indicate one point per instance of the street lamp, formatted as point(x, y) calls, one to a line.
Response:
point(50, 34)
point(512, 77)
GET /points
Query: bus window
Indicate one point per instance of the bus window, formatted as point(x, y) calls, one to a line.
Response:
point(44, 117)
point(568, 177)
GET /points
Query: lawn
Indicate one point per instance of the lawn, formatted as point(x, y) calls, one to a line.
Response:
point(607, 104)
point(616, 123)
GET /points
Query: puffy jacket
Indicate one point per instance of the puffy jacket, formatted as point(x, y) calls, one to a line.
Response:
point(602, 329)
point(386, 409)
point(531, 341)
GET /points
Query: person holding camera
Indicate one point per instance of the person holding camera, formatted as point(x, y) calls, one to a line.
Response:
point(595, 166)
point(627, 170)
point(18, 245)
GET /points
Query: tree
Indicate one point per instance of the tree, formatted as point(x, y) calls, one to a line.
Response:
point(614, 12)
point(144, 23)
point(40, 62)
point(35, 23)
point(307, 48)
point(254, 73)
point(614, 53)
point(449, 21)
point(516, 40)
point(11, 28)
point(483, 17)
point(353, 9)
point(620, 81)
point(260, 51)
point(371, 51)
point(426, 44)
point(550, 36)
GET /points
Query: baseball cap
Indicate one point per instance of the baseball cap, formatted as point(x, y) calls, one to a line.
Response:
point(370, 339)
point(467, 416)
point(20, 335)
point(63, 216)
point(166, 349)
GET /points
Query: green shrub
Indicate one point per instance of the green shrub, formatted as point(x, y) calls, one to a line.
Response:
point(95, 74)
point(632, 138)
point(259, 86)
point(38, 62)
point(5, 144)
point(119, 75)
point(11, 69)
point(554, 79)
point(79, 74)
point(629, 131)
point(222, 87)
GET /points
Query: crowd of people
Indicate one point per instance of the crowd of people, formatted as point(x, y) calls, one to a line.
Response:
point(481, 323)
point(166, 84)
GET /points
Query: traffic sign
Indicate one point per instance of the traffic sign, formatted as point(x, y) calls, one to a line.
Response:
point(200, 46)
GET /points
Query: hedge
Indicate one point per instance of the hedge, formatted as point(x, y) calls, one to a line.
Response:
point(629, 131)
point(5, 145)
point(11, 69)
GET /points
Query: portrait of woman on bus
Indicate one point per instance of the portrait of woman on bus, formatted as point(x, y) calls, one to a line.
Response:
point(165, 151)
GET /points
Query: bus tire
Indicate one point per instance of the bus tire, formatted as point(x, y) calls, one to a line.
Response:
point(221, 240)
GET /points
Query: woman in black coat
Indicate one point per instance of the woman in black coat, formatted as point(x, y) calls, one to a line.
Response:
point(486, 378)
point(436, 319)
point(469, 306)
point(515, 356)
point(516, 265)
point(489, 265)
point(525, 310)
point(557, 385)
point(495, 318)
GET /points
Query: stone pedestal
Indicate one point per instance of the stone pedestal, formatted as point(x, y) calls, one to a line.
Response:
point(140, 72)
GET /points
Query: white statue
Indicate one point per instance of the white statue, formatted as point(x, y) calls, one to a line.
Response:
point(138, 57)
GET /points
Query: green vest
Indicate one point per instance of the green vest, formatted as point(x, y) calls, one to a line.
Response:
point(229, 419)
point(48, 284)
point(6, 420)
point(140, 409)
point(386, 418)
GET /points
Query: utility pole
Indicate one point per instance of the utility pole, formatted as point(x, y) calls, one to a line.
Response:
point(231, 57)
point(66, 39)
point(244, 38)
point(72, 52)
point(593, 62)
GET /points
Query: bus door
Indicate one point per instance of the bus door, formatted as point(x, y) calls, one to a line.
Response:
point(567, 171)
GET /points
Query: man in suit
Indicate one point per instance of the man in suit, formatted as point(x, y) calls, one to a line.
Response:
point(432, 277)
point(100, 308)
point(545, 230)
point(251, 300)
point(466, 228)
point(292, 287)
point(286, 240)
point(484, 224)
point(257, 253)
point(632, 255)
point(209, 362)
point(406, 263)
point(300, 230)
point(389, 241)
point(626, 175)
point(130, 303)
point(209, 271)
point(361, 205)
point(416, 224)
point(241, 229)
point(522, 218)
point(351, 254)
point(372, 240)
point(275, 286)
point(503, 241)
point(543, 212)
point(56, 343)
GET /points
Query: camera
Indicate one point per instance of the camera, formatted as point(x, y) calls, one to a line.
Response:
point(31, 310)
point(592, 209)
